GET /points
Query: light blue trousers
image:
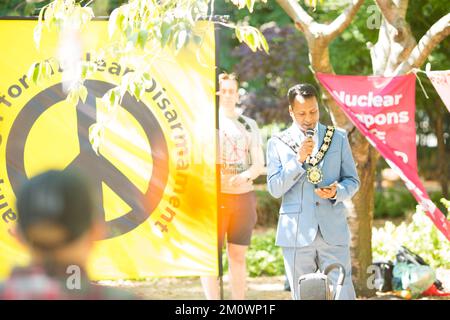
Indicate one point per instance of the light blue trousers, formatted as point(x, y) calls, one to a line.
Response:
point(318, 255)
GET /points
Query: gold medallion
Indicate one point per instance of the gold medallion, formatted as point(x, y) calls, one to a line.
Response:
point(314, 175)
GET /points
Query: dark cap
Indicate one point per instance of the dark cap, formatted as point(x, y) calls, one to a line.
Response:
point(54, 208)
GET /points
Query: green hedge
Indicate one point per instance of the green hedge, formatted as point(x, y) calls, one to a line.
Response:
point(419, 235)
point(267, 208)
point(396, 202)
point(393, 203)
point(389, 203)
point(263, 257)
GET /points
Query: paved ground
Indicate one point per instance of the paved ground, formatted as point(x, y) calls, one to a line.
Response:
point(261, 288)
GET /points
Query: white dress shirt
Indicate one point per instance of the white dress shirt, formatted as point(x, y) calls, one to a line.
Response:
point(300, 137)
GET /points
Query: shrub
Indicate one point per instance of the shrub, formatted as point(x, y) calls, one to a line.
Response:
point(263, 257)
point(397, 202)
point(393, 203)
point(389, 203)
point(421, 236)
point(267, 208)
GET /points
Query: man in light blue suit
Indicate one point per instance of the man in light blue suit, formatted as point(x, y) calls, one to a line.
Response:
point(302, 162)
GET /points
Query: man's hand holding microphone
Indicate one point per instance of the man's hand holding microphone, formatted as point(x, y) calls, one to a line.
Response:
point(307, 146)
point(305, 150)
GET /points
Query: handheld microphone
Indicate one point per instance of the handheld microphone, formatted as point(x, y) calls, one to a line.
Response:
point(309, 133)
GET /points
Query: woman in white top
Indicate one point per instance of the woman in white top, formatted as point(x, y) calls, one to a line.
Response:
point(241, 161)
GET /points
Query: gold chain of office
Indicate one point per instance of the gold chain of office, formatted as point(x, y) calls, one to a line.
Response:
point(314, 174)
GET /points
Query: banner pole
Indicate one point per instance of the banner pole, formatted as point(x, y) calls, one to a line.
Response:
point(218, 185)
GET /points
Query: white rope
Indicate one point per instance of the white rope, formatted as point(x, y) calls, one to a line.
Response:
point(415, 71)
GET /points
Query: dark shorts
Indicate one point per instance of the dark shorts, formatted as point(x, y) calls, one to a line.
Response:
point(237, 217)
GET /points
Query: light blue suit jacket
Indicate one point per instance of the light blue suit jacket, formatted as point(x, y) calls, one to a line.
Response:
point(302, 211)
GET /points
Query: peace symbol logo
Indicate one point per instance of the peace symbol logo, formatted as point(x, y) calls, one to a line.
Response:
point(94, 166)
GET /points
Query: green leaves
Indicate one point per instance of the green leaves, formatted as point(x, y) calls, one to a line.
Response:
point(142, 38)
point(250, 4)
point(246, 3)
point(135, 83)
point(141, 30)
point(264, 258)
point(242, 3)
point(252, 37)
point(419, 235)
point(313, 3)
point(446, 203)
point(96, 136)
point(166, 33)
point(37, 34)
point(168, 23)
point(76, 93)
point(40, 71)
point(82, 93)
point(33, 72)
point(86, 14)
point(116, 22)
point(112, 98)
point(87, 69)
point(59, 15)
point(182, 37)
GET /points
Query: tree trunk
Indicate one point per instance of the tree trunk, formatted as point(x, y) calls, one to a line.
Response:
point(362, 205)
point(360, 219)
point(442, 159)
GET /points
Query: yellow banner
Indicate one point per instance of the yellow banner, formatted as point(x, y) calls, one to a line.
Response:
point(155, 168)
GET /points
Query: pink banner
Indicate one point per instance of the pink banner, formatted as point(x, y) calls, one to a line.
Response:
point(383, 109)
point(441, 82)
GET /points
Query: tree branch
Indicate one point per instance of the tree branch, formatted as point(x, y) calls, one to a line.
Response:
point(395, 16)
point(438, 32)
point(318, 37)
point(343, 20)
point(393, 9)
point(389, 10)
point(403, 7)
point(294, 10)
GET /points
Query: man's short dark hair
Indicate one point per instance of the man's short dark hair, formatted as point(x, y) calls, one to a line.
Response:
point(305, 90)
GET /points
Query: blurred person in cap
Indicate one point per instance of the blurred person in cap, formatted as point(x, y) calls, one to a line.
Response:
point(57, 223)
